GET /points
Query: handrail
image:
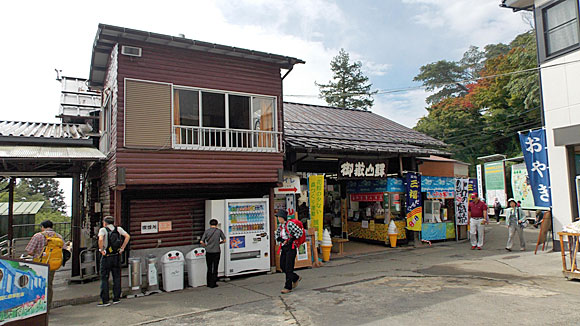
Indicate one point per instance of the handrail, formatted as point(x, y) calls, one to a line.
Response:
point(224, 139)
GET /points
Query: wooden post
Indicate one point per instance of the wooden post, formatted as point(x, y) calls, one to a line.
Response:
point(76, 223)
point(11, 183)
point(564, 268)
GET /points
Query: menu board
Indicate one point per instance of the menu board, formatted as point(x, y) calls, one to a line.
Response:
point(246, 218)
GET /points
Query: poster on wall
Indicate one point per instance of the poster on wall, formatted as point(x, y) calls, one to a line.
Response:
point(521, 186)
point(414, 207)
point(495, 183)
point(316, 195)
point(461, 200)
point(536, 157)
point(22, 290)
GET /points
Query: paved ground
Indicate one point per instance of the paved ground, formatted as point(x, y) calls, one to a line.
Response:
point(446, 284)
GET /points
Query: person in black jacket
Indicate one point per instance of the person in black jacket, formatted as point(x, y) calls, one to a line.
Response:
point(286, 234)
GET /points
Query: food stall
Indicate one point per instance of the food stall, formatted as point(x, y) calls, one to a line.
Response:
point(372, 204)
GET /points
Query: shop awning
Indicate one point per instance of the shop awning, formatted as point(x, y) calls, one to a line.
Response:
point(53, 153)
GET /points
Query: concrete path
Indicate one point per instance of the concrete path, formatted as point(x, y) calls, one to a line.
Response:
point(445, 284)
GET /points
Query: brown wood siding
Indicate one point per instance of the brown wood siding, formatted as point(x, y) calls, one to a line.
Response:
point(147, 115)
point(198, 167)
point(184, 67)
point(187, 216)
point(437, 169)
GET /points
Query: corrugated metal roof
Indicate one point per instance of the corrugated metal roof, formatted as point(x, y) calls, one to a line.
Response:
point(22, 208)
point(44, 130)
point(329, 128)
point(54, 153)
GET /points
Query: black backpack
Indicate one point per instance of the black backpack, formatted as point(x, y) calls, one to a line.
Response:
point(114, 241)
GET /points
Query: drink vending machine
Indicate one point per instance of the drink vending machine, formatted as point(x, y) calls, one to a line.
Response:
point(245, 223)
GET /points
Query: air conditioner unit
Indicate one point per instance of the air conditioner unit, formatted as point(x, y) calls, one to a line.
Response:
point(132, 51)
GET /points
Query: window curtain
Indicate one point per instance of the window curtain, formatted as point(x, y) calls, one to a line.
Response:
point(266, 122)
point(176, 116)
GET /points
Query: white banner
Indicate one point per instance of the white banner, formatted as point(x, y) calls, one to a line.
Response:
point(461, 200)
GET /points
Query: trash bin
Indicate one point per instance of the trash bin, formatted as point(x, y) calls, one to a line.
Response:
point(196, 267)
point(172, 271)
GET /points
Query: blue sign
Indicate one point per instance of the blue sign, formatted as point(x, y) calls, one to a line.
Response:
point(414, 201)
point(366, 186)
point(395, 185)
point(473, 186)
point(536, 157)
point(437, 183)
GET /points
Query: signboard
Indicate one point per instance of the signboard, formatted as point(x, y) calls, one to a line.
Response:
point(23, 287)
point(290, 185)
point(521, 186)
point(362, 169)
point(376, 185)
point(316, 195)
point(414, 207)
point(479, 180)
point(164, 226)
point(149, 227)
point(473, 187)
point(368, 197)
point(437, 183)
point(536, 157)
point(440, 194)
point(238, 242)
point(495, 182)
point(461, 200)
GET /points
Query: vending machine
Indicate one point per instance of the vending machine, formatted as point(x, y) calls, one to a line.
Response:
point(245, 223)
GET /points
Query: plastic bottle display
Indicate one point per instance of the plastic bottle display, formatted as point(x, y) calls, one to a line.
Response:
point(246, 218)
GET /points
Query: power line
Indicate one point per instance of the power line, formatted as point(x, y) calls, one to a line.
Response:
point(513, 128)
point(439, 85)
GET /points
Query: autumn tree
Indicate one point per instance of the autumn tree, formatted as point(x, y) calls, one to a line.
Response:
point(349, 87)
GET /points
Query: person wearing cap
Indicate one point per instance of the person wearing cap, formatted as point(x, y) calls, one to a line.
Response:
point(286, 234)
point(477, 218)
point(516, 219)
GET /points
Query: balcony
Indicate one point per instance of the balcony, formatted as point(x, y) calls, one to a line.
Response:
point(222, 139)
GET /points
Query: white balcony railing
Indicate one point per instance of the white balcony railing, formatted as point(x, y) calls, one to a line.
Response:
point(222, 139)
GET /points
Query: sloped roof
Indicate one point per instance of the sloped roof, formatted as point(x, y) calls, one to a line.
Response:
point(108, 35)
point(327, 128)
point(22, 208)
point(55, 153)
point(22, 131)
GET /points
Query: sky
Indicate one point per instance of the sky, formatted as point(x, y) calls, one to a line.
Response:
point(392, 39)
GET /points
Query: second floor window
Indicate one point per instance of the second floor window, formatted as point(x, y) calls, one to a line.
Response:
point(560, 26)
point(216, 119)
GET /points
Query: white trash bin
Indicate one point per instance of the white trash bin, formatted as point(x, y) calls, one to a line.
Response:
point(172, 270)
point(196, 267)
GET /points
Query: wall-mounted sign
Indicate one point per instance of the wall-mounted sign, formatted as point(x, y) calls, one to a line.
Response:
point(290, 185)
point(362, 169)
point(367, 197)
point(164, 226)
point(149, 227)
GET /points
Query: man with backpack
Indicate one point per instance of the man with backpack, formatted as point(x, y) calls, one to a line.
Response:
point(211, 239)
point(46, 247)
point(290, 235)
point(112, 242)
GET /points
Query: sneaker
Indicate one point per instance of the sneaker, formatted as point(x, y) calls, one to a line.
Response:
point(285, 291)
point(116, 301)
point(522, 249)
point(508, 249)
point(295, 284)
point(103, 304)
point(472, 247)
point(498, 222)
point(478, 248)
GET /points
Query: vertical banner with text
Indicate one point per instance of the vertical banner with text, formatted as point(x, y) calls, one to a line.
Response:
point(414, 201)
point(495, 183)
point(461, 200)
point(316, 190)
point(536, 157)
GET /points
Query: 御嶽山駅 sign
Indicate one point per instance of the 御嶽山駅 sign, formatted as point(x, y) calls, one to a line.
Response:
point(362, 169)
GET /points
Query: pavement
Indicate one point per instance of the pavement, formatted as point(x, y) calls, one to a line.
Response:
point(443, 284)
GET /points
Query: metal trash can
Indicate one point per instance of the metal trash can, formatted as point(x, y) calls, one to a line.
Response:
point(135, 280)
point(152, 283)
point(196, 267)
point(172, 270)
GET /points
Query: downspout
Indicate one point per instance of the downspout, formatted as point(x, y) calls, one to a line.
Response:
point(282, 144)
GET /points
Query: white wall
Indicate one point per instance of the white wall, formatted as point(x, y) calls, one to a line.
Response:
point(561, 96)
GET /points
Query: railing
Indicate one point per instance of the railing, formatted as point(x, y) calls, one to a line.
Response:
point(4, 245)
point(221, 139)
point(22, 231)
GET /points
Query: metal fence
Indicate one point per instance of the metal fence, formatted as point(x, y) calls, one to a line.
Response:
point(206, 138)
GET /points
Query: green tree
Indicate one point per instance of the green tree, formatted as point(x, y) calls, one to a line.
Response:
point(349, 87)
point(49, 188)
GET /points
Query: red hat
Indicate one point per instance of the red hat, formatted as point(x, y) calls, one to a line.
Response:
point(473, 195)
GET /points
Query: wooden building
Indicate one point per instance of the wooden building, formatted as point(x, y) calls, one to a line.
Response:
point(182, 121)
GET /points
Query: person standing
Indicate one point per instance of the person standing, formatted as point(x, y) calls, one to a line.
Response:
point(286, 234)
point(477, 219)
point(35, 248)
point(496, 209)
point(211, 240)
point(516, 219)
point(112, 243)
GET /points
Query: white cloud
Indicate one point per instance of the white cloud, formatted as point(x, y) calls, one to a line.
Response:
point(480, 22)
point(375, 69)
point(405, 108)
